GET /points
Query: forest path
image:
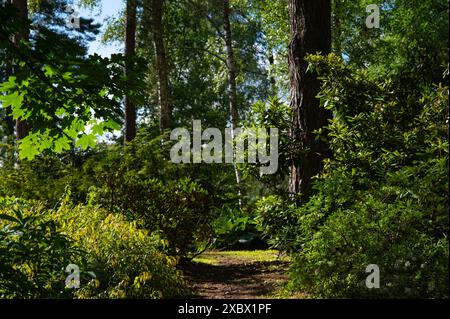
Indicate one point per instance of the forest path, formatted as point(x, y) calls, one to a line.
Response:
point(237, 274)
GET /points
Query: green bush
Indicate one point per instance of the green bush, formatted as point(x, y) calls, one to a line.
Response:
point(278, 223)
point(33, 253)
point(46, 177)
point(235, 229)
point(383, 197)
point(399, 237)
point(180, 210)
point(163, 197)
point(115, 258)
point(125, 259)
point(138, 181)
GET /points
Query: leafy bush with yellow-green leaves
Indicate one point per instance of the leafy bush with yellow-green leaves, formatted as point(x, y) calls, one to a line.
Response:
point(124, 258)
point(116, 259)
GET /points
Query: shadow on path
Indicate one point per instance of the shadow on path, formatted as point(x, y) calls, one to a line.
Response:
point(235, 279)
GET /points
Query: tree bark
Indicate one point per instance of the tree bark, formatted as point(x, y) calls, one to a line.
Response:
point(22, 127)
point(232, 87)
point(130, 51)
point(273, 82)
point(10, 124)
point(232, 90)
point(310, 22)
point(162, 66)
point(336, 27)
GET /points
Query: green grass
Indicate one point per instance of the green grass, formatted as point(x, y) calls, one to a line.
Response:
point(213, 257)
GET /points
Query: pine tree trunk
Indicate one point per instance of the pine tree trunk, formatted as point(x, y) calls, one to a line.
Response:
point(310, 22)
point(22, 127)
point(162, 66)
point(130, 51)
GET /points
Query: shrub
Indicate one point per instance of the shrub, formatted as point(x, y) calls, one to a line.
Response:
point(383, 197)
point(46, 177)
point(235, 229)
point(37, 244)
point(33, 252)
point(125, 259)
point(140, 183)
point(276, 220)
point(399, 237)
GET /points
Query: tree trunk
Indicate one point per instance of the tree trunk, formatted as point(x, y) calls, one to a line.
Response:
point(10, 124)
point(163, 69)
point(336, 27)
point(22, 127)
point(232, 91)
point(232, 88)
point(130, 50)
point(273, 82)
point(310, 22)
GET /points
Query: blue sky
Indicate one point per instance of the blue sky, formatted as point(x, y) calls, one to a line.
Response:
point(107, 8)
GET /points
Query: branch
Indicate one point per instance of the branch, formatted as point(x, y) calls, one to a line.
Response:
point(205, 14)
point(217, 56)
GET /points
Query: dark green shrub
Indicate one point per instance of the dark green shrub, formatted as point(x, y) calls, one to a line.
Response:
point(34, 253)
point(163, 197)
point(138, 181)
point(277, 221)
point(404, 240)
point(46, 177)
point(383, 197)
point(235, 229)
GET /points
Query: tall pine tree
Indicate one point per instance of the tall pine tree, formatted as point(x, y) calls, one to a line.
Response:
point(310, 23)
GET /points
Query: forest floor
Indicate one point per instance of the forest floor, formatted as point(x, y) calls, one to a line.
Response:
point(238, 275)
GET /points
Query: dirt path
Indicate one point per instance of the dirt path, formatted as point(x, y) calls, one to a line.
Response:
point(236, 275)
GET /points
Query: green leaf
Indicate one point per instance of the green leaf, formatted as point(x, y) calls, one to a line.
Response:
point(8, 85)
point(62, 144)
point(60, 112)
point(14, 100)
point(97, 129)
point(49, 71)
point(9, 218)
point(28, 148)
point(46, 141)
point(75, 128)
point(67, 75)
point(85, 141)
point(113, 125)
